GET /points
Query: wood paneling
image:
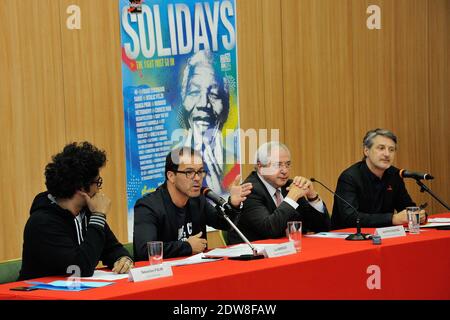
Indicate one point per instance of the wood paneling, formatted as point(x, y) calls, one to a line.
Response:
point(317, 77)
point(93, 95)
point(31, 110)
point(410, 110)
point(251, 73)
point(391, 90)
point(374, 71)
point(439, 101)
point(310, 68)
point(272, 50)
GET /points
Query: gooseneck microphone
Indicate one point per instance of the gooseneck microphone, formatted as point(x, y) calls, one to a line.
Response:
point(358, 235)
point(215, 198)
point(225, 206)
point(419, 176)
point(415, 175)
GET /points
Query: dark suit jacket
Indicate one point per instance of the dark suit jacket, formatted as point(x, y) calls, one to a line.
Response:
point(155, 219)
point(261, 219)
point(374, 198)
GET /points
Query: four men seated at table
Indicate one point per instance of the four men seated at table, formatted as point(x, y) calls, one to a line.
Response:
point(67, 225)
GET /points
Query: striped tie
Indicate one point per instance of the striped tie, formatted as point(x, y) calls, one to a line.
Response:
point(278, 197)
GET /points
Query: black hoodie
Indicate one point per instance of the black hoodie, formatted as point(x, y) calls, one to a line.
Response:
point(54, 240)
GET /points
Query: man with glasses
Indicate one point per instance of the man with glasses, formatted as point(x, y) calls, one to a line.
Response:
point(67, 225)
point(177, 213)
point(276, 199)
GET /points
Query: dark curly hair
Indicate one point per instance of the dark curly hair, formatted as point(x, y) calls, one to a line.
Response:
point(73, 169)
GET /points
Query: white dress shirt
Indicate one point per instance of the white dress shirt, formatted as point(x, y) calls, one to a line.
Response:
point(318, 205)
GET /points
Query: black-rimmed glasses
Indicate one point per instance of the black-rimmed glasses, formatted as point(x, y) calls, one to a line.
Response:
point(190, 174)
point(98, 182)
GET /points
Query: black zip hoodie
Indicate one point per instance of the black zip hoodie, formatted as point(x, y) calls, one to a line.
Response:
point(54, 240)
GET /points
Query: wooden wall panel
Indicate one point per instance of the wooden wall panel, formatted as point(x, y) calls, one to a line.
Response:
point(439, 102)
point(251, 73)
point(31, 110)
point(272, 66)
point(93, 95)
point(374, 71)
point(410, 111)
point(317, 78)
point(391, 84)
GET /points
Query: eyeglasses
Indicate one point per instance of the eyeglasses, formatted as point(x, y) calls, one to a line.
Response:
point(98, 182)
point(190, 174)
point(279, 165)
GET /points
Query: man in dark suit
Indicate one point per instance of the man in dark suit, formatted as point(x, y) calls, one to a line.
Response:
point(275, 199)
point(373, 186)
point(176, 213)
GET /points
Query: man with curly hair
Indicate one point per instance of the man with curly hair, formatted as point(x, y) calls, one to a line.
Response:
point(67, 224)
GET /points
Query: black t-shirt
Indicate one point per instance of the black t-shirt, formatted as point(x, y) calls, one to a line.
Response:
point(184, 223)
point(379, 187)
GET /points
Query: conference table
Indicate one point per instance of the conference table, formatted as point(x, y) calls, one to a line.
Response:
point(415, 266)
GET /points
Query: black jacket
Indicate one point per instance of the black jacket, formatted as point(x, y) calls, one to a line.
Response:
point(54, 240)
point(374, 198)
point(261, 219)
point(155, 218)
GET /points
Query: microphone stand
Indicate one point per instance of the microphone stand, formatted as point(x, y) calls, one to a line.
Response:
point(424, 188)
point(255, 254)
point(355, 236)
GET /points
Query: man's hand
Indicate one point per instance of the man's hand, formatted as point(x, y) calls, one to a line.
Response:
point(295, 192)
point(197, 244)
point(98, 203)
point(401, 218)
point(238, 192)
point(305, 184)
point(123, 265)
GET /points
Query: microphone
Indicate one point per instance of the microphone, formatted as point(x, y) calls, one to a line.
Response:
point(415, 175)
point(214, 197)
point(358, 235)
point(224, 205)
point(418, 176)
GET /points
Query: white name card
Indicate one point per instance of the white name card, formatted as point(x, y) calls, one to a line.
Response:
point(150, 272)
point(390, 232)
point(279, 250)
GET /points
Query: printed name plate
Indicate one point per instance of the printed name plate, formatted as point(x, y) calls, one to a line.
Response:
point(150, 272)
point(279, 250)
point(390, 232)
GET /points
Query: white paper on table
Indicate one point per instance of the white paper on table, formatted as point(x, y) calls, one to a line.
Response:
point(105, 275)
point(439, 220)
point(330, 235)
point(197, 258)
point(237, 250)
point(434, 225)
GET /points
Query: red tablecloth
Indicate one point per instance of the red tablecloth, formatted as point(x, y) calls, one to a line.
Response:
point(411, 267)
